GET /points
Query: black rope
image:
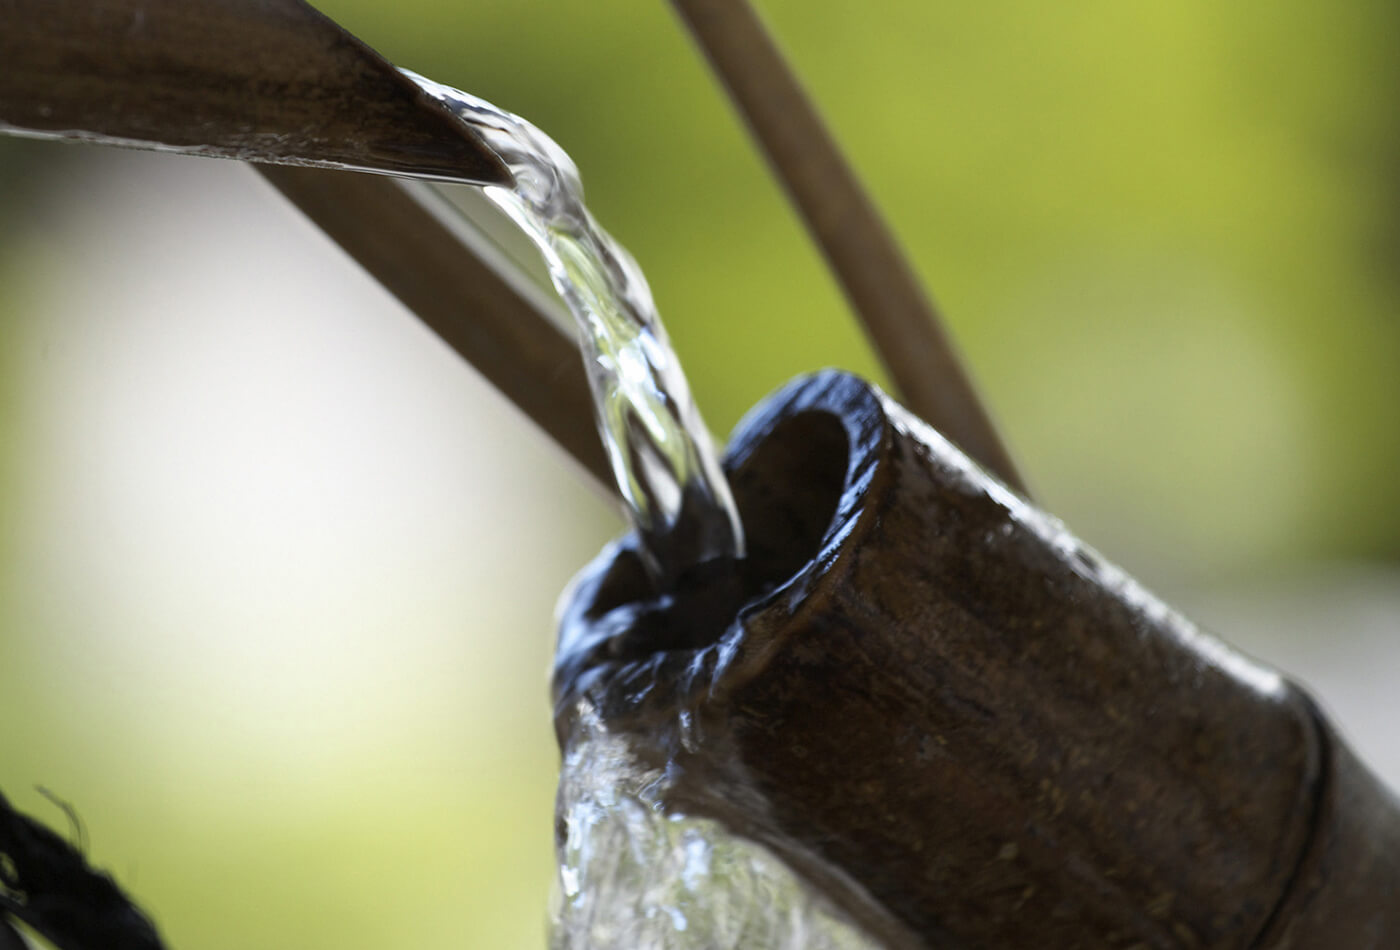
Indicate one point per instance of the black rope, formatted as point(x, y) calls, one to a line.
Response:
point(46, 883)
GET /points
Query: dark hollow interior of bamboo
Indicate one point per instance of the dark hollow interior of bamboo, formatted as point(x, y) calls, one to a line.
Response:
point(788, 492)
point(795, 470)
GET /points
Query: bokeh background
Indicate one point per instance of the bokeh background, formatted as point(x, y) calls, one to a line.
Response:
point(277, 571)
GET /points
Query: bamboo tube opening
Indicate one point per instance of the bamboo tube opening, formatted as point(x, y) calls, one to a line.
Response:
point(789, 489)
point(798, 473)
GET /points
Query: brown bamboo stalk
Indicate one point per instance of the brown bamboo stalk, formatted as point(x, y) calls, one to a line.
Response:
point(477, 304)
point(899, 318)
point(262, 80)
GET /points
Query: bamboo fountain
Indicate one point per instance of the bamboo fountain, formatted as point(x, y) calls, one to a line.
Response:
point(938, 708)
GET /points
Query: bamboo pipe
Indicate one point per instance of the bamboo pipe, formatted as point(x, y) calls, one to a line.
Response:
point(964, 727)
point(259, 80)
point(899, 318)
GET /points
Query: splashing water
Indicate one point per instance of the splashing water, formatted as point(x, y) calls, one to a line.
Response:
point(666, 468)
point(634, 875)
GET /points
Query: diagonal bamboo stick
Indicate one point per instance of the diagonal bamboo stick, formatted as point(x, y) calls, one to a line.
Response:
point(899, 317)
point(464, 292)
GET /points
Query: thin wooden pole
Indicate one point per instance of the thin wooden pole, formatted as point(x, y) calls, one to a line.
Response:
point(476, 303)
point(898, 316)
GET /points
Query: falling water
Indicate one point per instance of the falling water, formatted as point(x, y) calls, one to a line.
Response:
point(631, 873)
point(666, 468)
point(635, 874)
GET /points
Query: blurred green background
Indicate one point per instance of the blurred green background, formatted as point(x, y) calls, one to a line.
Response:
point(278, 572)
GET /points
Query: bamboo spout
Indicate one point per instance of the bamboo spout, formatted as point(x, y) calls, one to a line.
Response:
point(962, 726)
point(259, 80)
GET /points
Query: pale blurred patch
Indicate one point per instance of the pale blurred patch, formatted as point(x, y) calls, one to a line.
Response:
point(278, 618)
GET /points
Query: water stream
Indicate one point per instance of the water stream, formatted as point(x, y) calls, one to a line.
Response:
point(632, 873)
point(666, 468)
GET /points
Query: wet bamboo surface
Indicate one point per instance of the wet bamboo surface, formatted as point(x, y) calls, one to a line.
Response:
point(899, 318)
point(261, 80)
point(963, 726)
